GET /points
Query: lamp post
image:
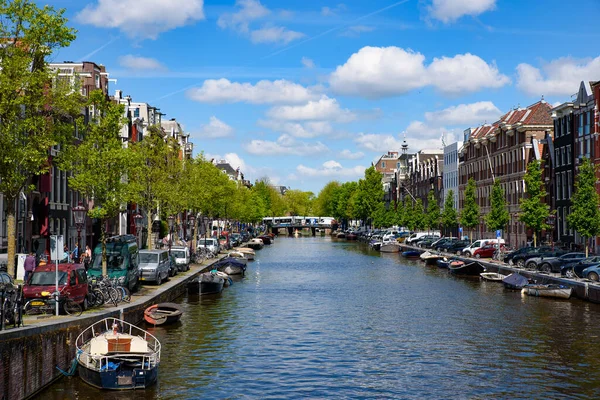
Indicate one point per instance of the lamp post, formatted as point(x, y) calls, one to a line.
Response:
point(139, 221)
point(171, 220)
point(79, 212)
point(192, 223)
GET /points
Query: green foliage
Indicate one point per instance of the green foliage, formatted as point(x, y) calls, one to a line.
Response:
point(433, 217)
point(419, 218)
point(326, 202)
point(534, 212)
point(274, 204)
point(498, 216)
point(449, 214)
point(298, 202)
point(585, 211)
point(383, 217)
point(35, 113)
point(470, 212)
point(369, 194)
point(345, 203)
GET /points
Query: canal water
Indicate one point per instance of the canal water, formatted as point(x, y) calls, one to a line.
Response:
point(326, 318)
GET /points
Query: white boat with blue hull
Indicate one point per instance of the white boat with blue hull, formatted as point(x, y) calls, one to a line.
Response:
point(114, 354)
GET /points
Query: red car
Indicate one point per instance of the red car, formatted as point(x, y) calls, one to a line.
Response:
point(72, 282)
point(486, 251)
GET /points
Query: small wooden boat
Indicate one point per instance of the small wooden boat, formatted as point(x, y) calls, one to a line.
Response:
point(256, 244)
point(464, 269)
point(114, 354)
point(411, 254)
point(515, 281)
point(207, 283)
point(247, 252)
point(391, 247)
point(492, 276)
point(266, 239)
point(549, 290)
point(430, 258)
point(231, 266)
point(163, 313)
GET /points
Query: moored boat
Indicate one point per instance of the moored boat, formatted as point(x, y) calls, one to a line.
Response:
point(391, 247)
point(228, 281)
point(247, 252)
point(515, 281)
point(207, 283)
point(239, 256)
point(341, 235)
point(114, 354)
point(430, 258)
point(466, 269)
point(266, 239)
point(255, 244)
point(163, 313)
point(547, 290)
point(411, 254)
point(351, 236)
point(231, 266)
point(492, 276)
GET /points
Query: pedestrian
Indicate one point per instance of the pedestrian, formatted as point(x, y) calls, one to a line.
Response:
point(75, 253)
point(29, 266)
point(87, 256)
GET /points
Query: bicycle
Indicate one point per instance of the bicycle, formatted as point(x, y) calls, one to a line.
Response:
point(47, 305)
point(12, 306)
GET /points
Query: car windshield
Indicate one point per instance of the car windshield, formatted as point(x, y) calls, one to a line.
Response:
point(178, 253)
point(208, 242)
point(114, 257)
point(147, 258)
point(48, 278)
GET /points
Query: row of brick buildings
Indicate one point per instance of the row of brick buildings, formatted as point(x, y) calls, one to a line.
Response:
point(47, 210)
point(560, 136)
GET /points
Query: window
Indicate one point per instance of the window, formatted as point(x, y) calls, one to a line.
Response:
point(580, 127)
point(569, 155)
point(587, 119)
point(97, 81)
point(557, 157)
point(383, 164)
point(558, 187)
point(569, 183)
point(136, 113)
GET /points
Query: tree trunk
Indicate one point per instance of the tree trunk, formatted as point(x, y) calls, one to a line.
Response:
point(103, 239)
point(534, 239)
point(10, 235)
point(194, 236)
point(149, 245)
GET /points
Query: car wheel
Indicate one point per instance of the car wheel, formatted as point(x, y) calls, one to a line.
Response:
point(546, 268)
point(593, 277)
point(520, 263)
point(458, 253)
point(477, 255)
point(532, 265)
point(570, 273)
point(158, 280)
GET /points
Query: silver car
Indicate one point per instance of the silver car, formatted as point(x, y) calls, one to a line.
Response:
point(154, 265)
point(211, 244)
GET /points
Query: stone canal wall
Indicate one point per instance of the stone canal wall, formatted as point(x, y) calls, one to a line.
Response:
point(29, 355)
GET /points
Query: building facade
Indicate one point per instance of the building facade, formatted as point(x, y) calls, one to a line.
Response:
point(450, 171)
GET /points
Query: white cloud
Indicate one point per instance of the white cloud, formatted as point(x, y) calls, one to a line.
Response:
point(348, 155)
point(330, 12)
point(140, 63)
point(145, 21)
point(274, 34)
point(379, 143)
point(331, 169)
point(356, 30)
point(215, 129)
point(301, 130)
point(451, 10)
point(308, 63)
point(263, 92)
point(376, 72)
point(285, 145)
point(232, 158)
point(250, 11)
point(325, 109)
point(560, 77)
point(464, 114)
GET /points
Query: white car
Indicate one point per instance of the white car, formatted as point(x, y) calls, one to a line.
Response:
point(211, 244)
point(182, 257)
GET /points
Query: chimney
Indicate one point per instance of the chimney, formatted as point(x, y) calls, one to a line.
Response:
point(118, 94)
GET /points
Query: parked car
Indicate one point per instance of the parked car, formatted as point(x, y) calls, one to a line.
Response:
point(575, 269)
point(440, 244)
point(531, 260)
point(548, 263)
point(236, 239)
point(425, 243)
point(182, 257)
point(470, 249)
point(417, 235)
point(592, 273)
point(212, 244)
point(154, 265)
point(513, 258)
point(122, 261)
point(224, 242)
point(6, 279)
point(455, 246)
point(486, 251)
point(72, 282)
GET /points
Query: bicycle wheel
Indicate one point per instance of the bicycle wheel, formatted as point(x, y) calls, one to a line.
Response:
point(72, 308)
point(125, 294)
point(34, 307)
point(114, 296)
point(98, 297)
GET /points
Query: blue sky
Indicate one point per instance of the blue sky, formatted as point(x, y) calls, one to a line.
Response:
point(305, 92)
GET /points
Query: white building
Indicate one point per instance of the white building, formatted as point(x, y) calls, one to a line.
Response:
point(451, 163)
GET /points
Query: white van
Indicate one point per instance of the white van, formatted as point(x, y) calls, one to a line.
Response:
point(418, 235)
point(469, 250)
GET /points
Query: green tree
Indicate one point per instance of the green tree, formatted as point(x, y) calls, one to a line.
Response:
point(498, 216)
point(433, 216)
point(449, 214)
point(418, 215)
point(369, 194)
point(100, 163)
point(534, 212)
point(326, 201)
point(34, 114)
point(298, 202)
point(585, 211)
point(470, 212)
point(345, 205)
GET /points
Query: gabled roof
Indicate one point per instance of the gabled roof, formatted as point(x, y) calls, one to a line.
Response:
point(225, 166)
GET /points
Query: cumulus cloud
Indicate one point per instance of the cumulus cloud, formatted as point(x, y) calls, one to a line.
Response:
point(250, 11)
point(451, 10)
point(309, 129)
point(139, 21)
point(464, 114)
point(285, 145)
point(215, 129)
point(232, 158)
point(377, 142)
point(324, 109)
point(308, 63)
point(348, 155)
point(560, 77)
point(263, 92)
point(140, 63)
point(331, 169)
point(376, 72)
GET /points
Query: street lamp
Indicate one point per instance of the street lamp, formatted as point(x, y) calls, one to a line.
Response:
point(171, 220)
point(192, 222)
point(79, 212)
point(139, 221)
